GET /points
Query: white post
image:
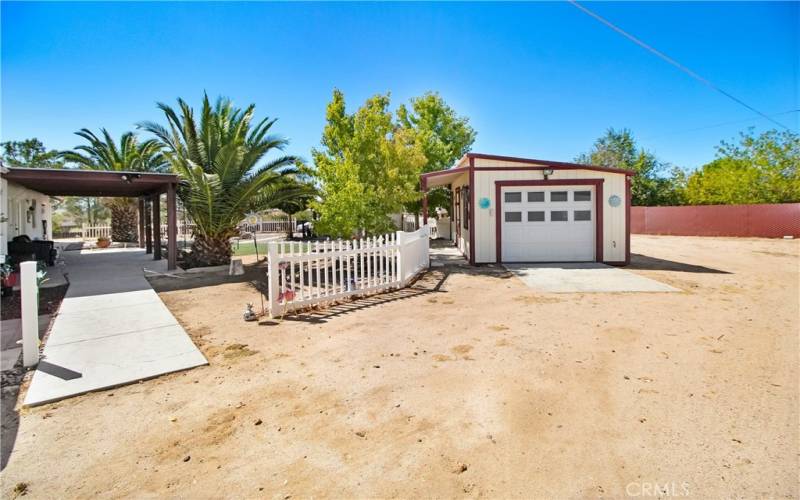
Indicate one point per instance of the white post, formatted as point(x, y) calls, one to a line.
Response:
point(274, 283)
point(30, 313)
point(401, 258)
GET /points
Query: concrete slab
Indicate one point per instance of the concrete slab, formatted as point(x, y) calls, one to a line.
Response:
point(584, 277)
point(112, 329)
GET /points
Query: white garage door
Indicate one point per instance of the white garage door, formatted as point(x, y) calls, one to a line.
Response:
point(548, 224)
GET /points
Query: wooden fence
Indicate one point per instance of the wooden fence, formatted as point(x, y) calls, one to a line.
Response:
point(765, 221)
point(303, 274)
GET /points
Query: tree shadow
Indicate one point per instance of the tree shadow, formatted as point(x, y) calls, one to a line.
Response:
point(647, 263)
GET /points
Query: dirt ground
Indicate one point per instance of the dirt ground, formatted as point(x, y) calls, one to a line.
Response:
point(466, 385)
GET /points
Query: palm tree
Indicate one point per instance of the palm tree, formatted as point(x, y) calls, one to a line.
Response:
point(222, 177)
point(102, 153)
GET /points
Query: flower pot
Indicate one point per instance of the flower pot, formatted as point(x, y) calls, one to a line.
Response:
point(103, 243)
point(11, 280)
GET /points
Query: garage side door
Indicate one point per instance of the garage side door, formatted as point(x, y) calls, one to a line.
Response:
point(548, 224)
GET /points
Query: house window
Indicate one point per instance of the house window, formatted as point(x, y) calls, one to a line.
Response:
point(466, 203)
point(535, 196)
point(513, 197)
point(535, 216)
point(582, 215)
point(558, 216)
point(513, 216)
point(582, 196)
point(558, 196)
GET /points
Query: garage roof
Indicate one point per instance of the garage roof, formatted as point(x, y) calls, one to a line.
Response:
point(72, 182)
point(556, 165)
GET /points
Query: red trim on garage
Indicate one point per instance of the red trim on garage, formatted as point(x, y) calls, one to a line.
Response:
point(598, 206)
point(627, 220)
point(471, 212)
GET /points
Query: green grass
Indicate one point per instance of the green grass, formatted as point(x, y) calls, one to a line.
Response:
point(247, 248)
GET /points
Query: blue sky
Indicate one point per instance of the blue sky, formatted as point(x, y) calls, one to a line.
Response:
point(535, 79)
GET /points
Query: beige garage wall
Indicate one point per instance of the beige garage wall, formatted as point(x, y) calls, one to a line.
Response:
point(613, 217)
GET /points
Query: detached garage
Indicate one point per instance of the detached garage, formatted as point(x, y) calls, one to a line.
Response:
point(508, 209)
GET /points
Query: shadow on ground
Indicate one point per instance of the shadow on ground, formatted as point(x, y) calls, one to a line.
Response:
point(646, 263)
point(430, 282)
point(11, 380)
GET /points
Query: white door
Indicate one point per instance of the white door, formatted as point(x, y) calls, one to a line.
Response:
point(548, 224)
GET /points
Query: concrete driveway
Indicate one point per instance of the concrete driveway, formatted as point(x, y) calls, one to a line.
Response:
point(111, 329)
point(584, 277)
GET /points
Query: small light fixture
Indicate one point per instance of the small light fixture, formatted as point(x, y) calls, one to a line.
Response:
point(547, 173)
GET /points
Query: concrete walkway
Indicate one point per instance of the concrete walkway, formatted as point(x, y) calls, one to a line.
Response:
point(584, 277)
point(111, 329)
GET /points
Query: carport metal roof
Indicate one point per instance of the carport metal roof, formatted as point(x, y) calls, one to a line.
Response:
point(71, 182)
point(146, 186)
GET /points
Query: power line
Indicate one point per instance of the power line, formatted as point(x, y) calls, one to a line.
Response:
point(673, 62)
point(734, 122)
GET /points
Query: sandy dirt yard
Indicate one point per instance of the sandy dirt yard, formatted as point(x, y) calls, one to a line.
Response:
point(466, 385)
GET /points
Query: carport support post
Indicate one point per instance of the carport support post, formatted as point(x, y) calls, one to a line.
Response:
point(172, 228)
point(424, 208)
point(156, 200)
point(148, 234)
point(30, 313)
point(141, 223)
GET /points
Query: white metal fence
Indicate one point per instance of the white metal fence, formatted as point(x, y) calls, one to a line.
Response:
point(303, 274)
point(274, 226)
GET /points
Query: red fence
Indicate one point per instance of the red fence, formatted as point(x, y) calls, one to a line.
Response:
point(766, 221)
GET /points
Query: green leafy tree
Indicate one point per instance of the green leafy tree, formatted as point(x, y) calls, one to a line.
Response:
point(221, 162)
point(757, 169)
point(30, 153)
point(367, 169)
point(443, 136)
point(651, 185)
point(129, 155)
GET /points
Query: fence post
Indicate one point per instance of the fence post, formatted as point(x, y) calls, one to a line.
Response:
point(30, 313)
point(274, 282)
point(401, 257)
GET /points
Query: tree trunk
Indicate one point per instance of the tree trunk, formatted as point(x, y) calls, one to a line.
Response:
point(124, 222)
point(290, 231)
point(207, 251)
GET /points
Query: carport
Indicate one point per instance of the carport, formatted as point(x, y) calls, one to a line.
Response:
point(147, 187)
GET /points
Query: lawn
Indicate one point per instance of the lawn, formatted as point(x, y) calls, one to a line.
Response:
point(247, 247)
point(466, 385)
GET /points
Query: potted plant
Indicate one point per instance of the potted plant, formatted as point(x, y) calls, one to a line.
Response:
point(8, 278)
point(103, 242)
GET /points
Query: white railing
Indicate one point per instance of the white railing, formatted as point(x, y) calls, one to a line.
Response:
point(184, 230)
point(274, 226)
point(94, 232)
point(303, 274)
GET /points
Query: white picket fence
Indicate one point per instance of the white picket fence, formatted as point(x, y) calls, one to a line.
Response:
point(303, 274)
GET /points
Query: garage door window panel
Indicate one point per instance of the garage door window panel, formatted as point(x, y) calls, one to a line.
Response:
point(513, 198)
point(559, 215)
point(537, 216)
point(535, 196)
point(582, 196)
point(558, 196)
point(513, 216)
point(582, 215)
